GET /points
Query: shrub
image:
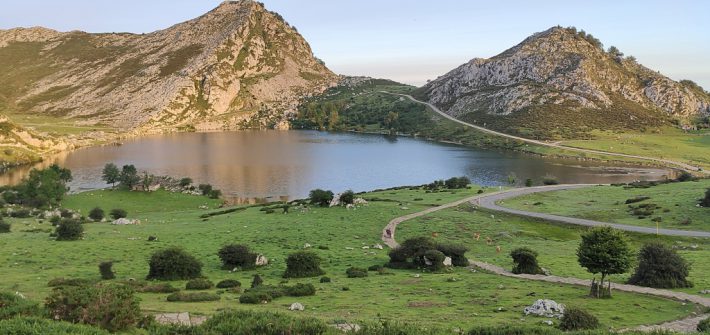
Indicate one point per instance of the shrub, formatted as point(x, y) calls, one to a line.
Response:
point(347, 198)
point(34, 326)
point(105, 268)
point(550, 180)
point(636, 199)
point(199, 284)
point(433, 260)
point(13, 305)
point(255, 297)
point(320, 197)
point(229, 283)
point(192, 297)
point(55, 220)
point(417, 246)
point(69, 230)
point(185, 182)
point(237, 255)
point(685, 176)
point(59, 282)
point(301, 290)
point(514, 330)
point(325, 280)
point(525, 261)
point(661, 267)
point(528, 182)
point(173, 264)
point(214, 194)
point(397, 255)
point(112, 307)
point(118, 213)
point(706, 201)
point(457, 182)
point(21, 213)
point(157, 288)
point(456, 252)
point(303, 264)
point(250, 322)
point(96, 214)
point(354, 272)
point(205, 188)
point(578, 319)
point(4, 227)
point(256, 281)
point(704, 326)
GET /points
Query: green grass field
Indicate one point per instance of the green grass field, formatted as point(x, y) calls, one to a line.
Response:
point(30, 258)
point(677, 202)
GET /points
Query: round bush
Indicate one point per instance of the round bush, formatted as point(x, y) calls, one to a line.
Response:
point(256, 281)
point(417, 246)
point(192, 297)
point(229, 283)
point(456, 252)
point(347, 198)
point(661, 267)
point(433, 260)
point(397, 255)
point(303, 264)
point(4, 227)
point(354, 272)
point(199, 284)
point(325, 280)
point(106, 270)
point(578, 319)
point(96, 214)
point(237, 255)
point(173, 264)
point(69, 230)
point(255, 297)
point(301, 290)
point(118, 213)
point(704, 326)
point(320, 197)
point(525, 261)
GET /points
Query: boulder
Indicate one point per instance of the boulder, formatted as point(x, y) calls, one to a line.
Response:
point(359, 202)
point(447, 261)
point(261, 260)
point(307, 246)
point(705, 292)
point(546, 308)
point(377, 246)
point(336, 201)
point(296, 306)
point(124, 221)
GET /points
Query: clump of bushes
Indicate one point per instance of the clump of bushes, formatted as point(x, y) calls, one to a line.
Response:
point(112, 307)
point(256, 297)
point(325, 280)
point(300, 290)
point(661, 267)
point(424, 252)
point(347, 198)
point(706, 201)
point(21, 213)
point(456, 252)
point(321, 197)
point(96, 214)
point(549, 180)
point(457, 183)
point(525, 261)
point(60, 282)
point(4, 226)
point(249, 322)
point(156, 288)
point(199, 284)
point(192, 297)
point(205, 189)
point(704, 326)
point(229, 283)
point(578, 319)
point(354, 272)
point(69, 230)
point(267, 293)
point(214, 194)
point(303, 264)
point(13, 305)
point(636, 199)
point(173, 264)
point(237, 256)
point(256, 281)
point(106, 270)
point(118, 213)
point(36, 325)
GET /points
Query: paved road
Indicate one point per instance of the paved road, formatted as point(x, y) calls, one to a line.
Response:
point(681, 165)
point(491, 202)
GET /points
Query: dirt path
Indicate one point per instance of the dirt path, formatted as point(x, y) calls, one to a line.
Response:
point(683, 325)
point(681, 165)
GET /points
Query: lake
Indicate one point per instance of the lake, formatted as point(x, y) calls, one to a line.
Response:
point(255, 166)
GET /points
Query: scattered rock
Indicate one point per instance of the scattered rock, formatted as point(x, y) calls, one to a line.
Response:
point(546, 308)
point(124, 221)
point(307, 246)
point(377, 246)
point(705, 292)
point(548, 322)
point(366, 247)
point(296, 306)
point(261, 260)
point(359, 202)
point(447, 261)
point(204, 207)
point(417, 275)
point(347, 327)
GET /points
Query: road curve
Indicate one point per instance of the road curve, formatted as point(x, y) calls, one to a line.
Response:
point(490, 201)
point(681, 165)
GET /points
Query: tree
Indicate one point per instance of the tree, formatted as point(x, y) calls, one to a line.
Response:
point(69, 230)
point(44, 187)
point(237, 255)
point(129, 177)
point(111, 174)
point(347, 198)
point(661, 267)
point(146, 181)
point(525, 261)
point(303, 264)
point(321, 197)
point(96, 214)
point(257, 281)
point(614, 52)
point(205, 188)
point(706, 201)
point(604, 250)
point(106, 270)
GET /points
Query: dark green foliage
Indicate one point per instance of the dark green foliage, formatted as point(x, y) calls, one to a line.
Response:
point(237, 255)
point(44, 187)
point(185, 182)
point(205, 188)
point(457, 183)
point(325, 280)
point(661, 267)
point(636, 199)
point(303, 264)
point(525, 261)
point(435, 258)
point(456, 252)
point(112, 307)
point(255, 297)
point(354, 272)
point(174, 264)
point(111, 174)
point(214, 194)
point(578, 319)
point(417, 246)
point(229, 283)
point(300, 290)
point(528, 182)
point(192, 297)
point(320, 197)
point(129, 178)
point(156, 288)
point(69, 230)
point(4, 226)
point(13, 305)
point(199, 284)
point(514, 330)
point(347, 198)
point(239, 322)
point(105, 268)
point(59, 282)
point(550, 180)
point(96, 214)
point(706, 201)
point(38, 326)
point(685, 176)
point(704, 326)
point(604, 250)
point(256, 281)
point(20, 213)
point(118, 213)
point(267, 293)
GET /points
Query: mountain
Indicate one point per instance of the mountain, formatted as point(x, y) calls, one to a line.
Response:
point(238, 66)
point(561, 83)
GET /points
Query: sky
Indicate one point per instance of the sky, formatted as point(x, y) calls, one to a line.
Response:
point(413, 41)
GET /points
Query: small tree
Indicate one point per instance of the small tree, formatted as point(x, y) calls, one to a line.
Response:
point(205, 188)
point(118, 213)
point(528, 182)
point(96, 214)
point(69, 230)
point(185, 182)
point(661, 267)
point(237, 255)
point(604, 250)
point(704, 326)
point(128, 177)
point(146, 181)
point(525, 261)
point(320, 197)
point(706, 201)
point(111, 174)
point(257, 281)
point(303, 264)
point(173, 264)
point(347, 198)
point(106, 270)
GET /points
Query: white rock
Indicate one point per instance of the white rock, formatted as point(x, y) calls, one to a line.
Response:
point(124, 221)
point(307, 246)
point(366, 247)
point(261, 260)
point(546, 308)
point(296, 306)
point(377, 246)
point(548, 322)
point(447, 261)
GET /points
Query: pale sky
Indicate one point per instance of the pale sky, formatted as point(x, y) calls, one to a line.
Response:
point(412, 40)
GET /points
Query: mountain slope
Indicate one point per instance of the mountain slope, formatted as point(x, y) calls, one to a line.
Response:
point(237, 66)
point(560, 83)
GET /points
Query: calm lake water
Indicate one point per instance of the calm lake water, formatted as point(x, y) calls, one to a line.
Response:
point(277, 165)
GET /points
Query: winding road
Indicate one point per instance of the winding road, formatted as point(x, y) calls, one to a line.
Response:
point(684, 166)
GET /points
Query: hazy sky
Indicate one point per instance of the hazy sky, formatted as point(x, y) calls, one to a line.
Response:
point(413, 40)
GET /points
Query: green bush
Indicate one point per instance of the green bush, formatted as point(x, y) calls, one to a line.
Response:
point(57, 282)
point(264, 323)
point(13, 305)
point(417, 246)
point(457, 183)
point(237, 255)
point(255, 297)
point(550, 180)
point(704, 326)
point(105, 268)
point(118, 213)
point(578, 319)
point(661, 267)
point(435, 258)
point(112, 307)
point(325, 280)
point(303, 264)
point(525, 261)
point(157, 288)
point(229, 283)
point(199, 284)
point(706, 201)
point(185, 182)
point(96, 214)
point(300, 290)
point(514, 330)
point(398, 255)
point(354, 272)
point(456, 252)
point(320, 197)
point(173, 264)
point(347, 198)
point(214, 194)
point(4, 227)
point(192, 297)
point(205, 188)
point(256, 281)
point(69, 230)
point(37, 326)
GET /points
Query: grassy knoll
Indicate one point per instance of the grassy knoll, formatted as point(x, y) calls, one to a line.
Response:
point(458, 299)
point(676, 204)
